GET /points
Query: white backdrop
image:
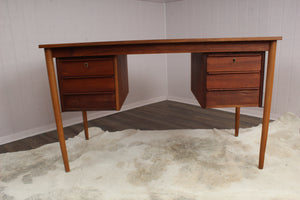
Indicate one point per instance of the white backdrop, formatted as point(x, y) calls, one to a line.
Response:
point(239, 18)
point(25, 103)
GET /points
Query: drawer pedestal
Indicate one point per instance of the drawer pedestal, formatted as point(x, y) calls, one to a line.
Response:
point(207, 63)
point(92, 83)
point(228, 79)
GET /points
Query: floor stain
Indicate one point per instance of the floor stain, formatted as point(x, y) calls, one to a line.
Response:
point(200, 157)
point(27, 179)
point(120, 164)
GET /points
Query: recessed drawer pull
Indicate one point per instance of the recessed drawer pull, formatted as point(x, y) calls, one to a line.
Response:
point(234, 63)
point(84, 67)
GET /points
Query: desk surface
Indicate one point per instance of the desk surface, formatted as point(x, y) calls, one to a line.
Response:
point(200, 45)
point(162, 41)
point(194, 46)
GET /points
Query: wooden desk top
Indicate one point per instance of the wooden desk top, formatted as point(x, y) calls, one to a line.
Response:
point(161, 41)
point(207, 45)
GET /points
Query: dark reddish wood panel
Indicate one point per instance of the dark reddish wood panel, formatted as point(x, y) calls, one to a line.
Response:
point(198, 77)
point(262, 77)
point(89, 102)
point(160, 48)
point(121, 75)
point(233, 81)
point(85, 66)
point(88, 85)
point(233, 63)
point(232, 98)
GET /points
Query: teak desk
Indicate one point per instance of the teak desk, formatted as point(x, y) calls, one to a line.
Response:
point(226, 72)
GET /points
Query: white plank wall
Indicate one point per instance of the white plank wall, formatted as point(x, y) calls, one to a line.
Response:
point(239, 18)
point(25, 103)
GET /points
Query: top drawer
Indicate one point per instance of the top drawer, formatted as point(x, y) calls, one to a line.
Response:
point(85, 66)
point(233, 63)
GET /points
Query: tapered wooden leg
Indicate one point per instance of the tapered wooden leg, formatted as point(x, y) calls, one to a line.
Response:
point(56, 108)
point(85, 124)
point(267, 103)
point(237, 121)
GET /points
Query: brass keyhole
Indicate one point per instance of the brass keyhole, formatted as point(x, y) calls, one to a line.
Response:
point(233, 60)
point(86, 65)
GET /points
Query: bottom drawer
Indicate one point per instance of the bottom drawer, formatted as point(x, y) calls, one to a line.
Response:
point(232, 98)
point(89, 102)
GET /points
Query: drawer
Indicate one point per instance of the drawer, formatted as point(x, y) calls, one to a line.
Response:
point(232, 98)
point(232, 81)
point(85, 66)
point(233, 63)
point(86, 85)
point(89, 102)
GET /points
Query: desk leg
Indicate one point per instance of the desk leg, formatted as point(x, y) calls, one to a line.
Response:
point(85, 124)
point(267, 103)
point(237, 121)
point(56, 108)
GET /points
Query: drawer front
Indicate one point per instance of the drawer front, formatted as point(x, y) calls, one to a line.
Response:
point(86, 67)
point(89, 102)
point(233, 63)
point(232, 81)
point(88, 85)
point(232, 98)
